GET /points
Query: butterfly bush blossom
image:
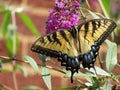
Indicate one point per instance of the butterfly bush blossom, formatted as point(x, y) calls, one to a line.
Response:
point(64, 15)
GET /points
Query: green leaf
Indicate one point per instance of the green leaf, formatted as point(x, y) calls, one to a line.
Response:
point(23, 69)
point(43, 58)
point(6, 61)
point(32, 62)
point(111, 57)
point(107, 85)
point(87, 3)
point(31, 87)
point(99, 71)
point(84, 74)
point(9, 45)
point(107, 4)
point(95, 83)
point(5, 23)
point(46, 77)
point(93, 15)
point(28, 22)
point(68, 74)
point(5, 70)
point(12, 40)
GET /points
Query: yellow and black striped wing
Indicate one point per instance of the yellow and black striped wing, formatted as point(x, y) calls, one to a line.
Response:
point(61, 45)
point(93, 31)
point(72, 46)
point(91, 35)
point(60, 41)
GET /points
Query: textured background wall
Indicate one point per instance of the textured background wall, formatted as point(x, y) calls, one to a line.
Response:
point(37, 10)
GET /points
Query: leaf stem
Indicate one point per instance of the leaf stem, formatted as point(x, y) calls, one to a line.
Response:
point(103, 9)
point(14, 49)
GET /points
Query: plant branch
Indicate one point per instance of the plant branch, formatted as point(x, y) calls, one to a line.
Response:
point(25, 61)
point(14, 49)
point(103, 9)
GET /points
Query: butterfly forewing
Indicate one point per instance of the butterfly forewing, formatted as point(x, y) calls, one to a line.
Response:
point(60, 41)
point(93, 31)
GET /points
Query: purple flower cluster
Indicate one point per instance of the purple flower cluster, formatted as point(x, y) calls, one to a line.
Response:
point(64, 15)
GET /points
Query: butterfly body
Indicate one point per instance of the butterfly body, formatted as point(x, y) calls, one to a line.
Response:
point(77, 45)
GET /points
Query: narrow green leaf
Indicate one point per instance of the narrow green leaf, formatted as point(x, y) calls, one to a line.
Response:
point(32, 62)
point(5, 22)
point(107, 4)
point(43, 58)
point(23, 69)
point(95, 84)
point(46, 77)
point(5, 70)
point(86, 75)
point(107, 85)
point(9, 45)
point(28, 22)
point(93, 15)
point(87, 4)
point(99, 71)
point(12, 41)
point(111, 57)
point(68, 74)
point(31, 87)
point(16, 43)
point(113, 36)
point(6, 61)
